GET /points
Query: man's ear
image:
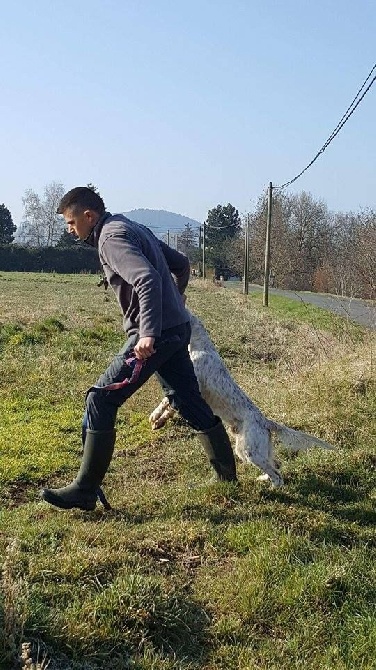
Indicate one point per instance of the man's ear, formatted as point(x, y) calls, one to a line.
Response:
point(184, 298)
point(90, 215)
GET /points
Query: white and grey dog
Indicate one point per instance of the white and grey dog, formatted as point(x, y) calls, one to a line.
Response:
point(251, 429)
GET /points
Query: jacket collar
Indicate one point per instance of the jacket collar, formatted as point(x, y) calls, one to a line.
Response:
point(93, 236)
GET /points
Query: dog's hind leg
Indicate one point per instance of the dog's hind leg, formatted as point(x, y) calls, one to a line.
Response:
point(161, 414)
point(262, 454)
point(269, 469)
point(240, 449)
point(273, 463)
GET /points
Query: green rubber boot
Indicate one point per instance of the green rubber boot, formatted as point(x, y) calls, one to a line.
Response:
point(218, 448)
point(85, 489)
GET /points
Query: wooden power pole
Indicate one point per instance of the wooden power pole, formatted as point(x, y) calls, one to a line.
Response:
point(246, 257)
point(203, 251)
point(199, 250)
point(267, 247)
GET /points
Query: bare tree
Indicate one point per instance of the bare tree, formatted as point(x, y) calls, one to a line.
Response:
point(339, 270)
point(309, 223)
point(282, 261)
point(41, 225)
point(234, 255)
point(315, 249)
point(364, 257)
point(187, 240)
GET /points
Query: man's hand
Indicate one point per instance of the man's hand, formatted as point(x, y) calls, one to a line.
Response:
point(144, 348)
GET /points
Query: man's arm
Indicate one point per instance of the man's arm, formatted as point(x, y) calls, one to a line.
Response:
point(124, 256)
point(178, 264)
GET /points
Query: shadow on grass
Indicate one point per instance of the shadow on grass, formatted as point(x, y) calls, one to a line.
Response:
point(318, 492)
point(337, 511)
point(131, 617)
point(348, 514)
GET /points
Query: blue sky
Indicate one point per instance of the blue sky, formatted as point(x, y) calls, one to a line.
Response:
point(184, 105)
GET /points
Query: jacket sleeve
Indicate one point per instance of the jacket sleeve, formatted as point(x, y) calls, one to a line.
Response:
point(178, 264)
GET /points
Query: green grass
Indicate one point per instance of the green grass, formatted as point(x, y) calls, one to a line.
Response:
point(181, 576)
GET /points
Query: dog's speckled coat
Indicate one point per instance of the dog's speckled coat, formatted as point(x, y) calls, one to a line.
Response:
point(252, 430)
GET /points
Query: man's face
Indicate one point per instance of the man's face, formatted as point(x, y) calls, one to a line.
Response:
point(82, 223)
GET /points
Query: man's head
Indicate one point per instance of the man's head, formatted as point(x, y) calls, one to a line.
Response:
point(81, 208)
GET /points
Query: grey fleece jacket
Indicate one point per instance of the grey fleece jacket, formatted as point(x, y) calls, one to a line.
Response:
point(139, 268)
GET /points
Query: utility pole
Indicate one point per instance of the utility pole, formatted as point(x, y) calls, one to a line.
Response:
point(199, 249)
point(246, 256)
point(267, 247)
point(203, 251)
point(168, 238)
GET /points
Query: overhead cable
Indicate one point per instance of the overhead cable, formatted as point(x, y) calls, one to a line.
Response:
point(350, 110)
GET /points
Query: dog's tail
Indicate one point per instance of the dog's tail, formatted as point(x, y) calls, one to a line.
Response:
point(296, 439)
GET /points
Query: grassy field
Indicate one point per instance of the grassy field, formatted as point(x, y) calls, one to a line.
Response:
point(181, 576)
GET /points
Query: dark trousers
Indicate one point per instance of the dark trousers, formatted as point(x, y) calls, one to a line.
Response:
point(174, 370)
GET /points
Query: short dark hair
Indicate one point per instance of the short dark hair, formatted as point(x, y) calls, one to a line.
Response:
point(81, 198)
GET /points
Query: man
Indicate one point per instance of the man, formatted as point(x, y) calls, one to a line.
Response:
point(149, 279)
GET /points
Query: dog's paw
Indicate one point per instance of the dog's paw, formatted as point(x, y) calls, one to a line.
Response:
point(263, 478)
point(158, 423)
point(161, 415)
point(276, 480)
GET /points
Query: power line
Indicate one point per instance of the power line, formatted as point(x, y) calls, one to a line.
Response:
point(230, 225)
point(350, 110)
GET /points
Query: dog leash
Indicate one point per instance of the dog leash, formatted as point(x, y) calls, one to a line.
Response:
point(136, 365)
point(102, 498)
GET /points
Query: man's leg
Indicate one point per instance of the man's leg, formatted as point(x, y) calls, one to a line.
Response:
point(103, 399)
point(178, 380)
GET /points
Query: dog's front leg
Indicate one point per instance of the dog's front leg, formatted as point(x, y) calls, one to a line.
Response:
point(161, 414)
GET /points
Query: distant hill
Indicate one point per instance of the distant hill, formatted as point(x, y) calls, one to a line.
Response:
point(160, 221)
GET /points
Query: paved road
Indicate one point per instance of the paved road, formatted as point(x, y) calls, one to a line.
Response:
point(360, 311)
